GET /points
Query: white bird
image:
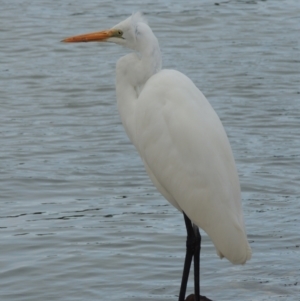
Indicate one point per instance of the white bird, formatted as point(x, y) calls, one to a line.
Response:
point(182, 143)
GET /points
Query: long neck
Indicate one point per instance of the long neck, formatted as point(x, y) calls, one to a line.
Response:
point(132, 73)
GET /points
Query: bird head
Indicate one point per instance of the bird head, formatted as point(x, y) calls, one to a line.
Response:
point(127, 33)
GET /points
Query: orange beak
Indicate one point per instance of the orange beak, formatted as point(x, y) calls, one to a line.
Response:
point(99, 36)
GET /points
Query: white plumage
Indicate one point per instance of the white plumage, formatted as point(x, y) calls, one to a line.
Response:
point(181, 141)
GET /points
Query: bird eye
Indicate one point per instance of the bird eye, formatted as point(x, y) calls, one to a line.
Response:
point(120, 32)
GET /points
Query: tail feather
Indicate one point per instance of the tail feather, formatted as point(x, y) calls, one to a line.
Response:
point(235, 247)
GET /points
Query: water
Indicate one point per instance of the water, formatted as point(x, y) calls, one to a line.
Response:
point(80, 220)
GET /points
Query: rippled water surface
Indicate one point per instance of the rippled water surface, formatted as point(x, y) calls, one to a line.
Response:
point(80, 220)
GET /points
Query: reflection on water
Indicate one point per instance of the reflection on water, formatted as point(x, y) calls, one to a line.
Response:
point(80, 219)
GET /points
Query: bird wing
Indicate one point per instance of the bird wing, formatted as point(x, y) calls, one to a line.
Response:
point(188, 157)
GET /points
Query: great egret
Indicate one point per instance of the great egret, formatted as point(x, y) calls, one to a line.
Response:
point(182, 143)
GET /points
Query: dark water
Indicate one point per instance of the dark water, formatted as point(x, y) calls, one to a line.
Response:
point(80, 220)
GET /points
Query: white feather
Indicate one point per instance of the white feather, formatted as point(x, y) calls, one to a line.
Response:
point(182, 143)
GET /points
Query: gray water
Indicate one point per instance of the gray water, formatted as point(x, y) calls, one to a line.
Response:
point(80, 220)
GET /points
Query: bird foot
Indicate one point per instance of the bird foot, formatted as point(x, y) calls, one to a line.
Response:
point(192, 298)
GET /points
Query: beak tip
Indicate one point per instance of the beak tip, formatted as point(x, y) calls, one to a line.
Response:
point(66, 40)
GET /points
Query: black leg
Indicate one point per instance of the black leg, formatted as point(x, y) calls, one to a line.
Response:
point(193, 247)
point(197, 263)
point(185, 275)
point(188, 257)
